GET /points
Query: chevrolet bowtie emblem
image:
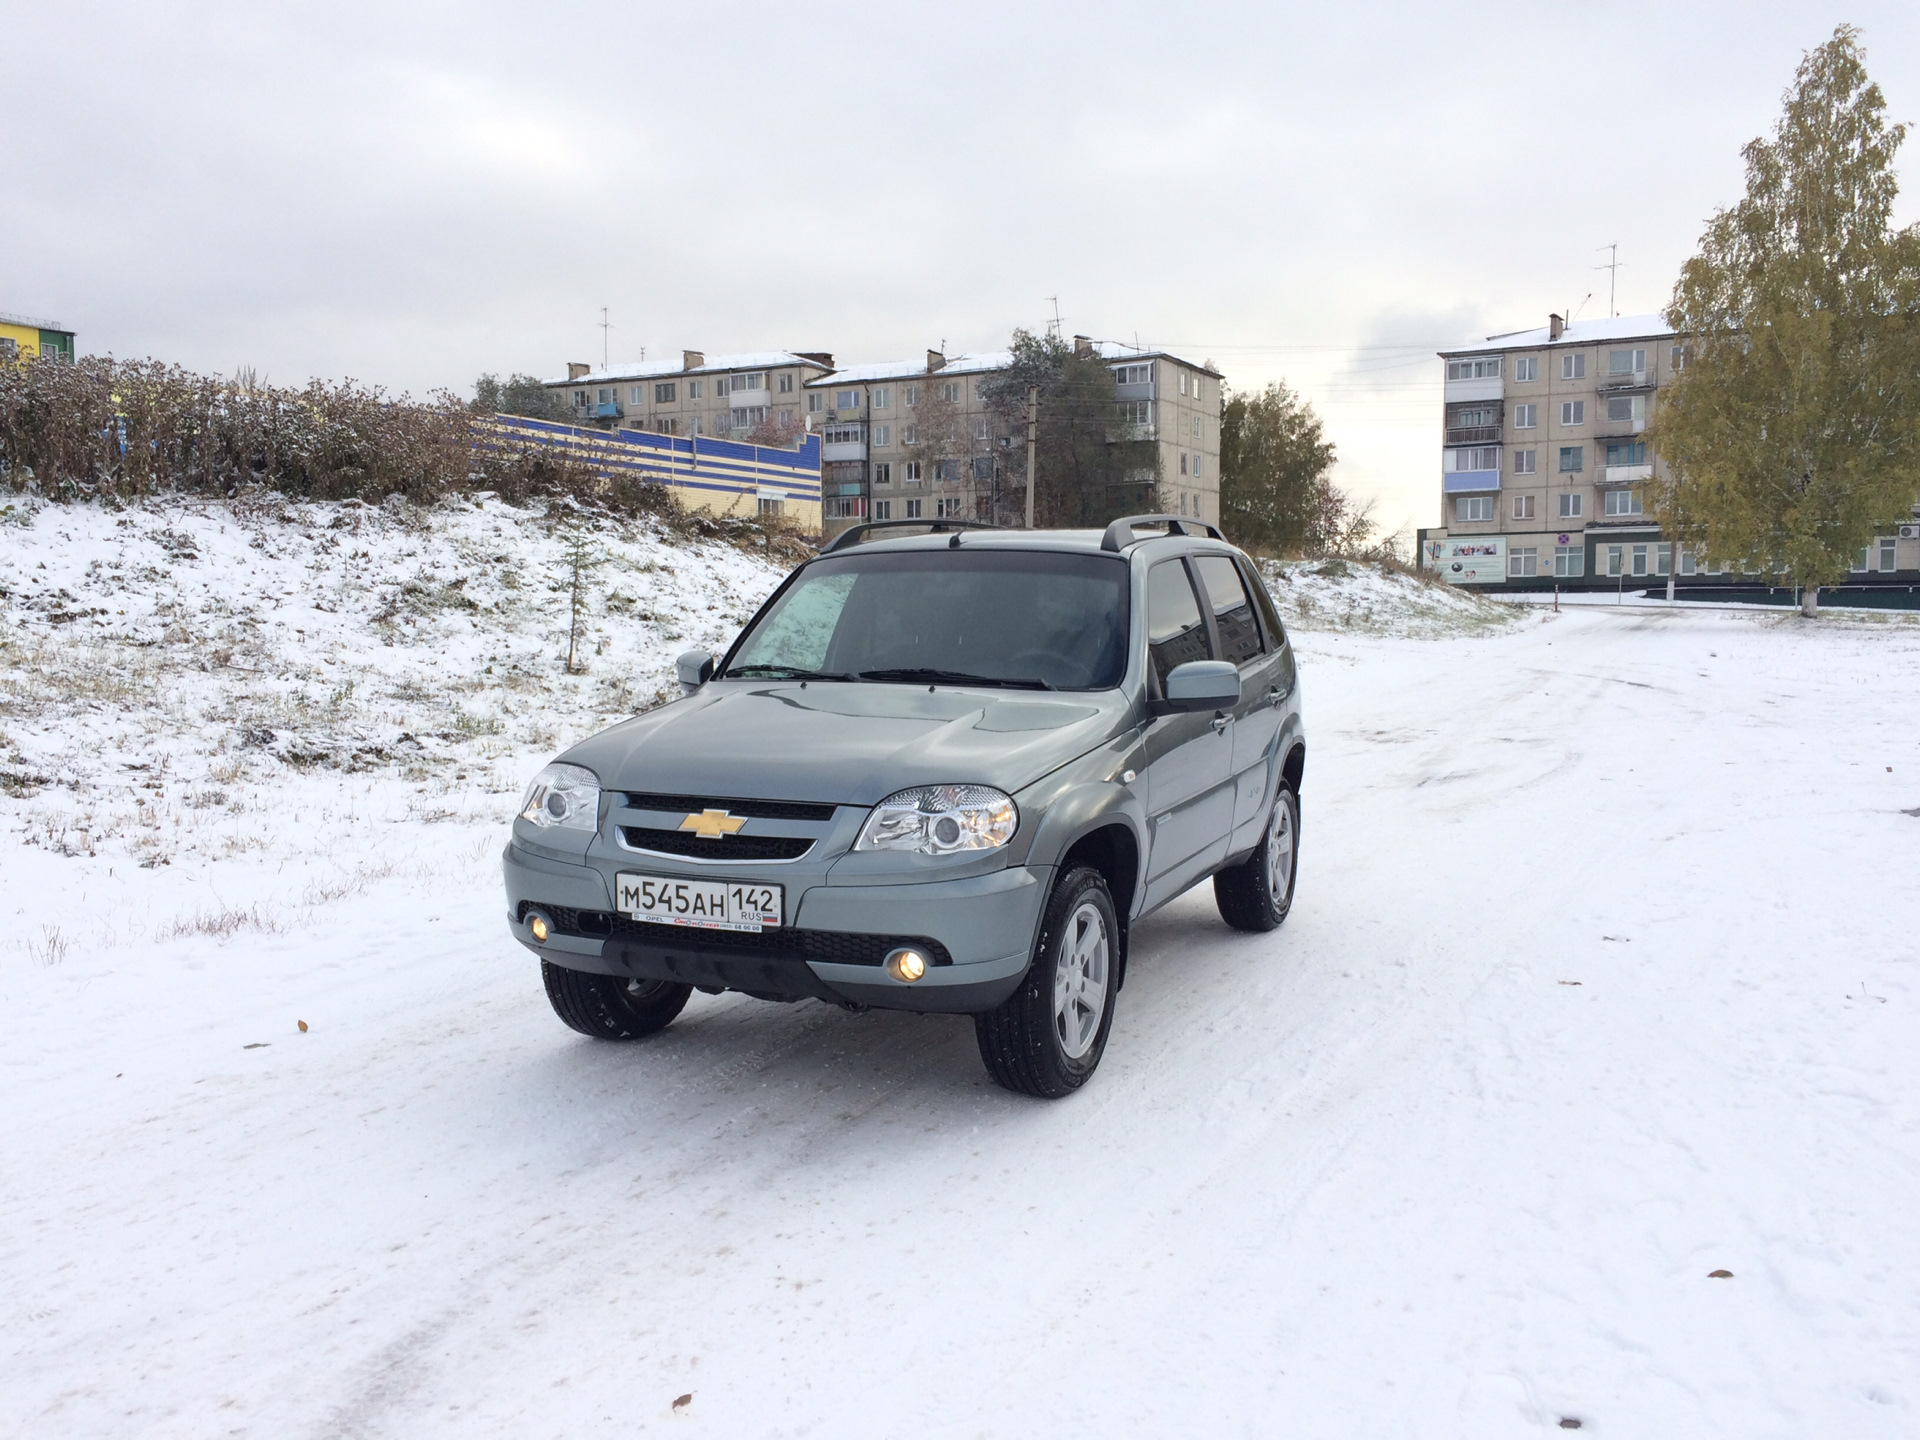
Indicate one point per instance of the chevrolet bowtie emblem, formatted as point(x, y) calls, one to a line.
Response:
point(713, 824)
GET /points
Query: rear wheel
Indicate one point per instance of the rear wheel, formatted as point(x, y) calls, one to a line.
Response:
point(608, 1007)
point(1046, 1038)
point(1257, 893)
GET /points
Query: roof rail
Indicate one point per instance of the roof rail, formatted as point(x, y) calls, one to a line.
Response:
point(1120, 532)
point(854, 534)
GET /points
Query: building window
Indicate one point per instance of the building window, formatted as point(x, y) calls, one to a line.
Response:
point(883, 473)
point(1132, 374)
point(910, 475)
point(1627, 407)
point(1525, 417)
point(983, 467)
point(945, 505)
point(1473, 507)
point(946, 472)
point(1662, 558)
point(1573, 412)
point(1626, 362)
point(579, 399)
point(634, 393)
point(950, 391)
point(883, 434)
point(695, 389)
point(1623, 502)
point(913, 509)
point(755, 381)
point(662, 394)
point(845, 507)
point(1197, 437)
point(1526, 462)
point(1474, 369)
point(815, 402)
point(1183, 382)
point(606, 395)
point(841, 434)
point(1137, 413)
point(1571, 505)
point(1887, 548)
point(666, 424)
point(1573, 459)
point(1523, 563)
point(1527, 367)
point(1474, 457)
point(883, 509)
point(694, 426)
point(846, 399)
point(1627, 454)
point(909, 434)
point(880, 397)
point(771, 506)
point(786, 384)
point(1639, 560)
point(1196, 467)
point(1573, 367)
point(1523, 507)
point(910, 395)
point(1569, 562)
point(9, 348)
point(1183, 462)
point(981, 428)
point(1679, 357)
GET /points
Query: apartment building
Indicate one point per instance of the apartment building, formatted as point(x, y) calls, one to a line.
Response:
point(910, 440)
point(22, 338)
point(1543, 451)
point(719, 396)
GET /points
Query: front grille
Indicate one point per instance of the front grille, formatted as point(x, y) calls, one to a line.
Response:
point(828, 947)
point(732, 847)
point(751, 809)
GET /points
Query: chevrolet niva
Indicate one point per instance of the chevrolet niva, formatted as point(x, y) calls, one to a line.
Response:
point(944, 771)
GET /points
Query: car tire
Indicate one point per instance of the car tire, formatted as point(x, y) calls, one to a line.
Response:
point(1046, 1038)
point(1257, 893)
point(609, 1007)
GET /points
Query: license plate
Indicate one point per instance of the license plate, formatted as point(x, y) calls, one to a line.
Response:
point(700, 904)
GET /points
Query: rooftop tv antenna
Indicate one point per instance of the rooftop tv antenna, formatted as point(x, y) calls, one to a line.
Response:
point(1574, 313)
point(1612, 267)
point(1053, 325)
point(606, 326)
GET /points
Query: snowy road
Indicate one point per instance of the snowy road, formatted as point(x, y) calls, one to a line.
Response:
point(1602, 977)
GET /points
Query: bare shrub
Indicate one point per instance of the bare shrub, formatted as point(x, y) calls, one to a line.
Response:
point(222, 924)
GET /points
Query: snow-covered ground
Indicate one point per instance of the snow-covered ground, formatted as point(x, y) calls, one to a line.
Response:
point(1601, 979)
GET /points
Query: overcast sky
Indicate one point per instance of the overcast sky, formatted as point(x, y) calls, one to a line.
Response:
point(412, 194)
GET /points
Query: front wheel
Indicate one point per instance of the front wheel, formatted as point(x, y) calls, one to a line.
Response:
point(608, 1007)
point(1047, 1037)
point(1257, 893)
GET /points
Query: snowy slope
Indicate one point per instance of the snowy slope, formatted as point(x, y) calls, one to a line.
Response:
point(1355, 596)
point(1602, 977)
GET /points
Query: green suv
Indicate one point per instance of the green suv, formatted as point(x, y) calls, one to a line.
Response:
point(941, 771)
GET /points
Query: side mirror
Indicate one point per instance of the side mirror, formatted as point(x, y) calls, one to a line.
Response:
point(1200, 685)
point(693, 670)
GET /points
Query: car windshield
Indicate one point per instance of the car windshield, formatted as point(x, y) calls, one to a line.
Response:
point(1017, 618)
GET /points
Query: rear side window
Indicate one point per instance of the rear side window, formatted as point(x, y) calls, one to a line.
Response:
point(1232, 610)
point(1269, 617)
point(1176, 633)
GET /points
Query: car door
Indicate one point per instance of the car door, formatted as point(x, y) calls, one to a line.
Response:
point(1256, 720)
point(1189, 757)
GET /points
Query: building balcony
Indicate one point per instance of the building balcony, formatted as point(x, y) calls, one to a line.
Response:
point(1625, 474)
point(1142, 391)
point(1473, 435)
point(843, 450)
point(606, 410)
point(1614, 383)
point(1467, 482)
point(1486, 389)
point(1618, 429)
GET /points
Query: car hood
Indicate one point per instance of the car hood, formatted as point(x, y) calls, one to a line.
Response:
point(846, 744)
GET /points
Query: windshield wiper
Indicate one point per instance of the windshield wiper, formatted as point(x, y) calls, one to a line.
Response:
point(784, 672)
point(952, 677)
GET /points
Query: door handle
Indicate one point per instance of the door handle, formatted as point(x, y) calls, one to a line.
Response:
point(1275, 695)
point(1220, 723)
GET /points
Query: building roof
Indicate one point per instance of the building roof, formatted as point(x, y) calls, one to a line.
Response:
point(985, 362)
point(665, 369)
point(8, 318)
point(1579, 332)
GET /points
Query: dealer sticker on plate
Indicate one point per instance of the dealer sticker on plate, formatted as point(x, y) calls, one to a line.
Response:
point(702, 904)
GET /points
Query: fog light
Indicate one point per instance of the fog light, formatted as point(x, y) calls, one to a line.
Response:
point(538, 925)
point(906, 966)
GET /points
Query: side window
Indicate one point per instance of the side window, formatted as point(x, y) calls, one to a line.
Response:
point(1175, 631)
point(1269, 617)
point(1232, 611)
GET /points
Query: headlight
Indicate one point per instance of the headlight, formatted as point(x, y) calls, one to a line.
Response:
point(565, 797)
point(940, 819)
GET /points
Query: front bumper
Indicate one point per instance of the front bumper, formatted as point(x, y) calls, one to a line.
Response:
point(984, 923)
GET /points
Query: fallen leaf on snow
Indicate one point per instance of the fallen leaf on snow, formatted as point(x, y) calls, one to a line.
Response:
point(1719, 1274)
point(257, 1045)
point(303, 1025)
point(684, 1401)
point(1566, 982)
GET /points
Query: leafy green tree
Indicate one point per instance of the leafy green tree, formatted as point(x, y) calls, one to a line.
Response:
point(1792, 436)
point(517, 395)
point(1275, 494)
point(1089, 469)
